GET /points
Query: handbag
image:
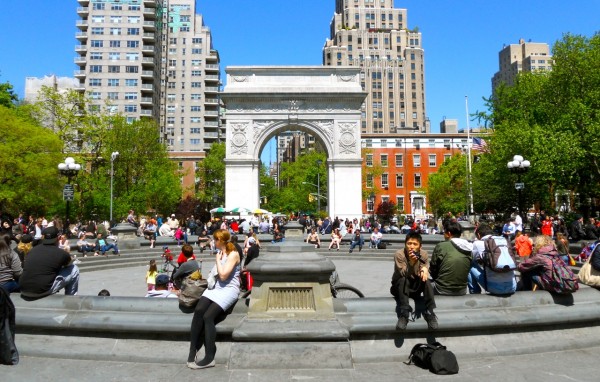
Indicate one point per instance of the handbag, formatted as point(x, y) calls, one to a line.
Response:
point(589, 275)
point(212, 280)
point(192, 287)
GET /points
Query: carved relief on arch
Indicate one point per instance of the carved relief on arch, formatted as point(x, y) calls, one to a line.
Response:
point(258, 128)
point(348, 140)
point(327, 128)
point(239, 142)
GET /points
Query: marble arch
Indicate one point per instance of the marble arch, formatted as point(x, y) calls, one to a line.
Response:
point(323, 101)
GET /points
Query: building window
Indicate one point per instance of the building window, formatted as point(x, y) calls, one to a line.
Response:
point(384, 160)
point(384, 181)
point(131, 82)
point(114, 56)
point(432, 160)
point(195, 141)
point(95, 68)
point(417, 160)
point(130, 108)
point(195, 130)
point(196, 40)
point(417, 180)
point(369, 143)
point(399, 160)
point(447, 156)
point(399, 180)
point(95, 56)
point(95, 95)
point(195, 108)
point(400, 203)
point(196, 97)
point(196, 51)
point(113, 96)
point(369, 181)
point(369, 160)
point(115, 43)
point(133, 31)
point(196, 73)
point(131, 95)
point(196, 84)
point(370, 205)
point(115, 31)
point(97, 30)
point(114, 68)
point(133, 19)
point(133, 44)
point(96, 43)
point(131, 69)
point(113, 82)
point(132, 56)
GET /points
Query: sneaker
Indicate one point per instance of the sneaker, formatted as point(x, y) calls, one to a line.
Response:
point(432, 322)
point(350, 251)
point(402, 322)
point(77, 261)
point(195, 366)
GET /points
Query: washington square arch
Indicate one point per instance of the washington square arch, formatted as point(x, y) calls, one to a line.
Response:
point(262, 102)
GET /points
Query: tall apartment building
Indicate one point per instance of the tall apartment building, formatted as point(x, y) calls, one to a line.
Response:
point(153, 59)
point(374, 35)
point(521, 57)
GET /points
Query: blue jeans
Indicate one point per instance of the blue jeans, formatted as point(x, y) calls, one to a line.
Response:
point(355, 243)
point(67, 278)
point(108, 247)
point(10, 286)
point(476, 278)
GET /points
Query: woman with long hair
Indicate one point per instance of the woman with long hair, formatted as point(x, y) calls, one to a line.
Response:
point(215, 302)
point(10, 265)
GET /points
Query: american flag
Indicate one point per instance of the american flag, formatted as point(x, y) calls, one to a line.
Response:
point(479, 144)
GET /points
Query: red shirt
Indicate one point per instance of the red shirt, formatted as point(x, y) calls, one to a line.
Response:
point(547, 227)
point(182, 259)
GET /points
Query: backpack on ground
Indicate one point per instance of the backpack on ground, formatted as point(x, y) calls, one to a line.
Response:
point(381, 245)
point(562, 281)
point(192, 287)
point(434, 357)
point(498, 256)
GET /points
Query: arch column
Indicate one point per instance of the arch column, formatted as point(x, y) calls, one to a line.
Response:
point(345, 188)
point(242, 188)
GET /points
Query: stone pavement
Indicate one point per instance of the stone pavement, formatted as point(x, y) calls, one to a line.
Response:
point(575, 365)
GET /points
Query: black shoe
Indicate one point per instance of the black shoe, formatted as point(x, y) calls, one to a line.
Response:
point(432, 322)
point(402, 322)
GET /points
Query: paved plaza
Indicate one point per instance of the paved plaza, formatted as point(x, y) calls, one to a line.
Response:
point(371, 274)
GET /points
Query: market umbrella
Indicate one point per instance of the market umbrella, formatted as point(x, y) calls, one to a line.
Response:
point(218, 210)
point(260, 211)
point(239, 210)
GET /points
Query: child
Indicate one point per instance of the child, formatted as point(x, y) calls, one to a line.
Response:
point(151, 275)
point(411, 279)
point(179, 236)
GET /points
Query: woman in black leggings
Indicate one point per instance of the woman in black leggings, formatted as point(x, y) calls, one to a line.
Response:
point(214, 302)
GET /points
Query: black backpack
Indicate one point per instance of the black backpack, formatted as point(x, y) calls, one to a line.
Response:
point(433, 357)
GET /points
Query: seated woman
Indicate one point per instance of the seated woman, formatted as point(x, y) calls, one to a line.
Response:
point(336, 239)
point(313, 238)
point(215, 302)
point(204, 241)
point(537, 272)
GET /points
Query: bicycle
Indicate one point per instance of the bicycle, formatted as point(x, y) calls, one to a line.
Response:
point(338, 289)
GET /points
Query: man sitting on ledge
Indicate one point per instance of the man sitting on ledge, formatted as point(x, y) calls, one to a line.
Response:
point(49, 269)
point(451, 262)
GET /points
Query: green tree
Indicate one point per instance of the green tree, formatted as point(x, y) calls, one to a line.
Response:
point(553, 120)
point(297, 183)
point(144, 178)
point(211, 172)
point(447, 188)
point(29, 156)
point(8, 98)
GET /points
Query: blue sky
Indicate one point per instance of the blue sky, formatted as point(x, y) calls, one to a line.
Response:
point(461, 38)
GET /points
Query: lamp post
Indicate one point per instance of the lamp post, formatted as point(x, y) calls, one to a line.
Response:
point(113, 156)
point(319, 185)
point(519, 166)
point(69, 169)
point(372, 197)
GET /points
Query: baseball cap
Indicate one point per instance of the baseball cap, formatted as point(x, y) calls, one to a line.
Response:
point(27, 238)
point(252, 240)
point(162, 279)
point(50, 235)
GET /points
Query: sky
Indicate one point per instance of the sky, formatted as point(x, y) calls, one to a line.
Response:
point(461, 39)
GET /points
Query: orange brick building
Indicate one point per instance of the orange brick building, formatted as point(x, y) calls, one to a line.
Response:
point(396, 167)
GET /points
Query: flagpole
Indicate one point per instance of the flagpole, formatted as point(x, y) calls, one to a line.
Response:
point(469, 175)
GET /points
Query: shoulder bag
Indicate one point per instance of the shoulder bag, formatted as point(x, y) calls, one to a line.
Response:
point(588, 275)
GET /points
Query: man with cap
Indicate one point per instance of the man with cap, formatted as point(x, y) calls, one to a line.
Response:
point(49, 269)
point(161, 288)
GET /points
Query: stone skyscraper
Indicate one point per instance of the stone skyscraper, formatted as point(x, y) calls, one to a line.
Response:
point(374, 35)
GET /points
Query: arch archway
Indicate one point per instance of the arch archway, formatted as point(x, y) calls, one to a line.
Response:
point(322, 101)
